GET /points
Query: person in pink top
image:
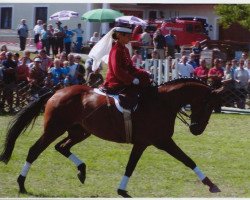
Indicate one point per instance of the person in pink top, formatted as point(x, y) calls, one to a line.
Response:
point(201, 71)
point(216, 74)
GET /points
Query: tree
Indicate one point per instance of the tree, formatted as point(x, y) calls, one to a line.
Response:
point(232, 13)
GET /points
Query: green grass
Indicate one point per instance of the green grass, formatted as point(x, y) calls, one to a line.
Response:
point(222, 153)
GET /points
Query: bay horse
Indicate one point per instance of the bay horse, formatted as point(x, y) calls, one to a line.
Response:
point(82, 112)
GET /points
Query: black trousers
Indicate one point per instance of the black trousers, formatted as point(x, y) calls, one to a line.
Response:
point(22, 43)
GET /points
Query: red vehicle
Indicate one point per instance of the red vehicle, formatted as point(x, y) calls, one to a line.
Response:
point(186, 31)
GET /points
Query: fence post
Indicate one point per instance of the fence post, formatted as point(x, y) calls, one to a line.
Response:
point(166, 70)
point(155, 70)
point(175, 70)
point(159, 72)
point(147, 65)
point(137, 63)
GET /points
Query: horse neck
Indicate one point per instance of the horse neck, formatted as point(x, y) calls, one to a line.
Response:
point(182, 93)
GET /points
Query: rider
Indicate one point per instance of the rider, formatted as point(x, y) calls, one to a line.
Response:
point(123, 77)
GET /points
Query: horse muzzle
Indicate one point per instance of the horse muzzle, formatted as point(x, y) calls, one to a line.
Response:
point(196, 129)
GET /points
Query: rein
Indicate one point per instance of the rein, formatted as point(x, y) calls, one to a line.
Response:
point(181, 115)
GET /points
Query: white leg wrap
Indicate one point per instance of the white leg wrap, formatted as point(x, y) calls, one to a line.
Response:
point(199, 173)
point(124, 183)
point(25, 169)
point(75, 160)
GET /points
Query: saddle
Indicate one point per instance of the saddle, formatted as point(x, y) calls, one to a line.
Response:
point(129, 99)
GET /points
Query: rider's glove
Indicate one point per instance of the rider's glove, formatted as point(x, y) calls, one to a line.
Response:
point(136, 81)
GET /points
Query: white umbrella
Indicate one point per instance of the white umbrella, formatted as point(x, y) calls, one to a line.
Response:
point(64, 15)
point(131, 20)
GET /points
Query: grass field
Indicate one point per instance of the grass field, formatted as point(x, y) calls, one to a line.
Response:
point(222, 153)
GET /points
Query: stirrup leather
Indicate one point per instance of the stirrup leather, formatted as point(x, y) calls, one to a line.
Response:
point(128, 125)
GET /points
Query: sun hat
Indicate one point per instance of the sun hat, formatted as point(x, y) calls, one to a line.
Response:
point(37, 60)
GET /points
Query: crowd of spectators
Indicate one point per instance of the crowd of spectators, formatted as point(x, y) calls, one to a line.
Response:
point(21, 71)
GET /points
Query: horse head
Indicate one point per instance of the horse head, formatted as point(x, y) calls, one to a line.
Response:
point(202, 108)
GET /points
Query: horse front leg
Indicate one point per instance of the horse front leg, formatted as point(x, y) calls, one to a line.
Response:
point(171, 147)
point(135, 155)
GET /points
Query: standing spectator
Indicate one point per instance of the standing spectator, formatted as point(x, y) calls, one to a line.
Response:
point(201, 71)
point(22, 31)
point(146, 39)
point(59, 36)
point(197, 52)
point(51, 41)
point(159, 44)
point(37, 32)
point(67, 39)
point(171, 43)
point(234, 67)
point(95, 79)
point(137, 58)
point(94, 39)
point(80, 70)
point(241, 76)
point(9, 71)
point(184, 69)
point(215, 76)
point(244, 56)
point(44, 39)
point(79, 32)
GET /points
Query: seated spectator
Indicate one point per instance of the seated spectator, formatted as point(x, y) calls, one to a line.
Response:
point(201, 71)
point(36, 77)
point(146, 39)
point(26, 55)
point(95, 79)
point(184, 69)
point(48, 81)
point(228, 75)
point(56, 72)
point(94, 39)
point(2, 57)
point(3, 48)
point(66, 69)
point(137, 58)
point(46, 61)
point(88, 66)
point(192, 60)
point(72, 70)
point(80, 70)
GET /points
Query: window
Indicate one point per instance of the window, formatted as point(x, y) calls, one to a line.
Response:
point(152, 15)
point(6, 18)
point(189, 28)
point(41, 13)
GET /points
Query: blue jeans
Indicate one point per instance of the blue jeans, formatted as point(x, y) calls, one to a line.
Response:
point(78, 44)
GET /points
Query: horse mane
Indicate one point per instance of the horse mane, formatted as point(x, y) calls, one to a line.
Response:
point(184, 80)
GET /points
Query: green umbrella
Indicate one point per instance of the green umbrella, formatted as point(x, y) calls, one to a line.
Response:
point(101, 15)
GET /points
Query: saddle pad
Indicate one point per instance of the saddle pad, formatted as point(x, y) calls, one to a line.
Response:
point(115, 97)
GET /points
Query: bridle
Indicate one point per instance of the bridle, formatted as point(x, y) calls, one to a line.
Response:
point(182, 115)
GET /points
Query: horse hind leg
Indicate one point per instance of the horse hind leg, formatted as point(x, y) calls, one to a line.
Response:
point(76, 135)
point(41, 144)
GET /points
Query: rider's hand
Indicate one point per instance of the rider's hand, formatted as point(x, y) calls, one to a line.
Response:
point(136, 81)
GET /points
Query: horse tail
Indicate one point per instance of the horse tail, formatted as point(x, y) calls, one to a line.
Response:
point(21, 122)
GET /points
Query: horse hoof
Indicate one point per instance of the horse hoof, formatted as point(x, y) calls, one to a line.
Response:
point(214, 189)
point(20, 181)
point(82, 173)
point(123, 193)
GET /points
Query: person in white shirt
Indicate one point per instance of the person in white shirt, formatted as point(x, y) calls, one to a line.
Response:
point(94, 39)
point(184, 69)
point(37, 32)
